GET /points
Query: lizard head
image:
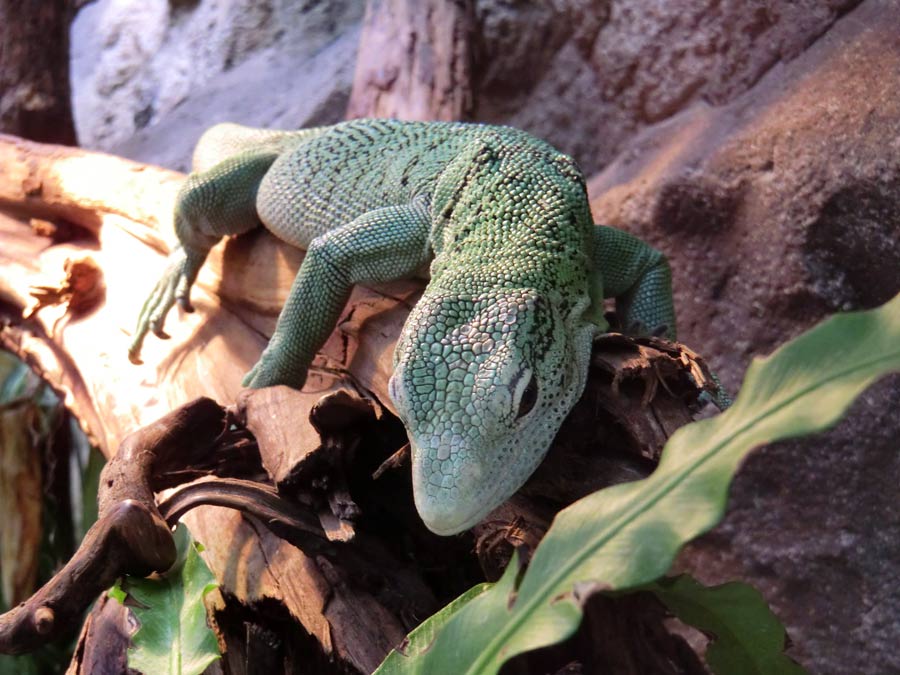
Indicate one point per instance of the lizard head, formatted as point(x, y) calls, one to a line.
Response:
point(482, 386)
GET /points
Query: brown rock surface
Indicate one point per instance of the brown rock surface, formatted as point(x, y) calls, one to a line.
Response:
point(564, 69)
point(777, 209)
point(569, 69)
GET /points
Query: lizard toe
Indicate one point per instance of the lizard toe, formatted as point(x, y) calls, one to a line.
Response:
point(134, 351)
point(183, 293)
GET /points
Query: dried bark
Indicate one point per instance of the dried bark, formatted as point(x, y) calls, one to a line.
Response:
point(112, 398)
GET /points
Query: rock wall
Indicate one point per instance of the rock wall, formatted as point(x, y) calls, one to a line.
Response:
point(149, 76)
point(584, 74)
point(777, 209)
point(781, 206)
point(588, 74)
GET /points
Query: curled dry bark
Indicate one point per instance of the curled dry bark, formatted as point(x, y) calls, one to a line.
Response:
point(362, 570)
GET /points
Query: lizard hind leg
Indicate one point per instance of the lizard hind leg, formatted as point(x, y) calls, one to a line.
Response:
point(210, 205)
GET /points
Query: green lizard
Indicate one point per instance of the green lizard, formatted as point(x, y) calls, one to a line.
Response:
point(495, 354)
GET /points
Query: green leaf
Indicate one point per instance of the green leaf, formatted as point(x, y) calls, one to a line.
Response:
point(173, 638)
point(422, 636)
point(15, 377)
point(628, 535)
point(747, 638)
point(117, 592)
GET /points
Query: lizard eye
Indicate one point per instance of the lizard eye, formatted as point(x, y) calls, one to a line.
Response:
point(529, 398)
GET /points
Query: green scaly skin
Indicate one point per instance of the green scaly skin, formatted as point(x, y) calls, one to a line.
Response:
point(495, 354)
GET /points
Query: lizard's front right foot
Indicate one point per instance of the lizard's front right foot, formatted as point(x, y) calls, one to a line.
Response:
point(273, 369)
point(175, 284)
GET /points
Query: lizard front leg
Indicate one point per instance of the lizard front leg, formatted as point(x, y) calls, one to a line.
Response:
point(210, 205)
point(388, 243)
point(639, 278)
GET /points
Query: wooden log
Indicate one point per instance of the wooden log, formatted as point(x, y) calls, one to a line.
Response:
point(353, 617)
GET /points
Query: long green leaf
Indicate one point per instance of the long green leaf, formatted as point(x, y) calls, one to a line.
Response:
point(423, 636)
point(629, 534)
point(746, 637)
point(173, 638)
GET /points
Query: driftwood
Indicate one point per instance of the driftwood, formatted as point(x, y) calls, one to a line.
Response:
point(88, 196)
point(350, 581)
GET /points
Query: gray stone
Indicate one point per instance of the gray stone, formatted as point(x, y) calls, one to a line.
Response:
point(149, 77)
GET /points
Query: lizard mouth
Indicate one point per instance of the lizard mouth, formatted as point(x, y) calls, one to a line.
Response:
point(446, 518)
point(446, 512)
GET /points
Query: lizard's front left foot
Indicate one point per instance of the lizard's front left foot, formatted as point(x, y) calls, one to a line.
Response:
point(720, 397)
point(639, 328)
point(175, 284)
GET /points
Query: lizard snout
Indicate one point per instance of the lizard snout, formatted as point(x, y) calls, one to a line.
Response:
point(445, 486)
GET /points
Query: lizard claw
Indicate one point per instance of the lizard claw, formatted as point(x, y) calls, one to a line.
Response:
point(718, 395)
point(175, 284)
point(251, 376)
point(183, 294)
point(638, 327)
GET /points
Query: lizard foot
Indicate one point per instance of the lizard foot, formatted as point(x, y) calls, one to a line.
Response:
point(719, 398)
point(174, 285)
point(639, 328)
point(272, 369)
